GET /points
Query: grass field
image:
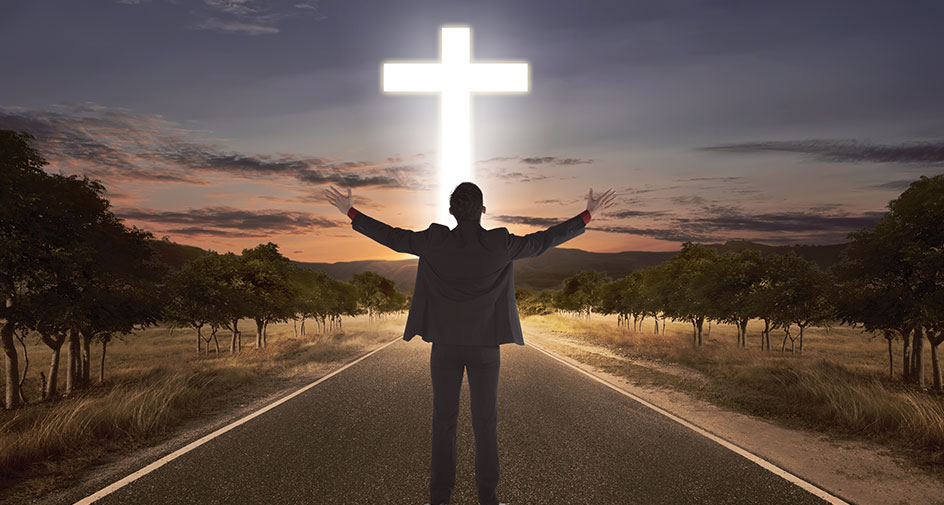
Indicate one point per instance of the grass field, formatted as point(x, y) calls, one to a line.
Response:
point(838, 385)
point(155, 381)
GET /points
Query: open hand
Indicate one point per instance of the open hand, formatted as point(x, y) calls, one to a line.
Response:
point(601, 202)
point(343, 203)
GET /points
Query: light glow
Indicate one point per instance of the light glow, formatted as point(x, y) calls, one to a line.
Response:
point(454, 78)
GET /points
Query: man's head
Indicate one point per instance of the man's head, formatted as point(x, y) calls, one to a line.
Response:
point(465, 203)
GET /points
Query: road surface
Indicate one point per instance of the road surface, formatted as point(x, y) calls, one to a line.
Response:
point(363, 437)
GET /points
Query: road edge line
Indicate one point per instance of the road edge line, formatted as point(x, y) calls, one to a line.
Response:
point(111, 488)
point(750, 456)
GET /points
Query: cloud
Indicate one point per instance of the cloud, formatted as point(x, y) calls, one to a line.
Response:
point(528, 220)
point(519, 177)
point(538, 160)
point(229, 221)
point(819, 225)
point(234, 26)
point(553, 160)
point(774, 222)
point(897, 185)
point(247, 17)
point(925, 152)
point(117, 144)
point(622, 214)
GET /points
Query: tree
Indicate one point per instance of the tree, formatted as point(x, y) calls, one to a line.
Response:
point(21, 184)
point(802, 297)
point(872, 290)
point(891, 276)
point(583, 291)
point(196, 298)
point(271, 294)
point(688, 275)
point(373, 291)
point(734, 282)
point(916, 215)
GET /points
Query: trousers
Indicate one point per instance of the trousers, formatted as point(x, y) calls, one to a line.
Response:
point(447, 364)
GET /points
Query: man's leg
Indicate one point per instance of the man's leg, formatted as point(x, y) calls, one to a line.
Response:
point(446, 373)
point(483, 366)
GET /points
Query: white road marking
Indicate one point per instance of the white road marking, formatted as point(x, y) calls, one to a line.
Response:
point(193, 445)
point(767, 465)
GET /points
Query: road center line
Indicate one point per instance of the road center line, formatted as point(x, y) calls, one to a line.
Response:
point(193, 445)
point(767, 465)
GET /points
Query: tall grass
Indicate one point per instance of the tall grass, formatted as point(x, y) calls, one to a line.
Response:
point(154, 382)
point(839, 384)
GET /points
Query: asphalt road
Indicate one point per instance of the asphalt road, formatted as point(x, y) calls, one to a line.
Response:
point(363, 437)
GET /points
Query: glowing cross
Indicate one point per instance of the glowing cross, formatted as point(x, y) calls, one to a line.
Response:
point(455, 78)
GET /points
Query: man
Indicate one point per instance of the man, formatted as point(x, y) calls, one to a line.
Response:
point(464, 304)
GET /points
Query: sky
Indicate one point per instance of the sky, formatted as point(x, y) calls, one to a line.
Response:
point(218, 123)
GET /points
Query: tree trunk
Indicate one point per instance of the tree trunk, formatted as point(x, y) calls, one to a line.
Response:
point(765, 336)
point(259, 339)
point(917, 356)
point(700, 323)
point(708, 335)
point(663, 326)
point(72, 356)
point(935, 338)
point(232, 344)
point(744, 332)
point(101, 369)
point(906, 354)
point(19, 386)
point(86, 357)
point(11, 398)
point(657, 324)
point(55, 344)
point(802, 328)
point(786, 334)
point(891, 360)
point(265, 333)
point(694, 333)
point(199, 339)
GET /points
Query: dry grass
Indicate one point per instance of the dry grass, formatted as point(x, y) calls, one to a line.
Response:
point(839, 385)
point(154, 382)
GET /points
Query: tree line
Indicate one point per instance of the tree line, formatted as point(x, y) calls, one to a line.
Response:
point(889, 280)
point(72, 274)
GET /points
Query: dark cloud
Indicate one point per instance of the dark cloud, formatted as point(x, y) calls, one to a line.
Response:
point(520, 177)
point(656, 233)
point(712, 179)
point(553, 160)
point(621, 214)
point(117, 144)
point(230, 222)
point(897, 185)
point(539, 160)
point(930, 152)
point(776, 222)
point(779, 227)
point(528, 220)
point(247, 17)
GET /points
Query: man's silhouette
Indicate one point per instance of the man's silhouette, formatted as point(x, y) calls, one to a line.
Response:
point(464, 304)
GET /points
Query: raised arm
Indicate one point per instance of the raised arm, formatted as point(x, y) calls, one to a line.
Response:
point(398, 239)
point(536, 243)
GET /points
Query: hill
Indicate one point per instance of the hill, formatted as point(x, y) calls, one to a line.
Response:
point(548, 270)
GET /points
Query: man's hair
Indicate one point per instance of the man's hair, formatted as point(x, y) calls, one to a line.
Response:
point(466, 202)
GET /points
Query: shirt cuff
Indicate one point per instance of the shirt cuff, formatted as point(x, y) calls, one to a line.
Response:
point(586, 216)
point(352, 212)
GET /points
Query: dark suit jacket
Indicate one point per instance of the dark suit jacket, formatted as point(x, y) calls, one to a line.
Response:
point(465, 282)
